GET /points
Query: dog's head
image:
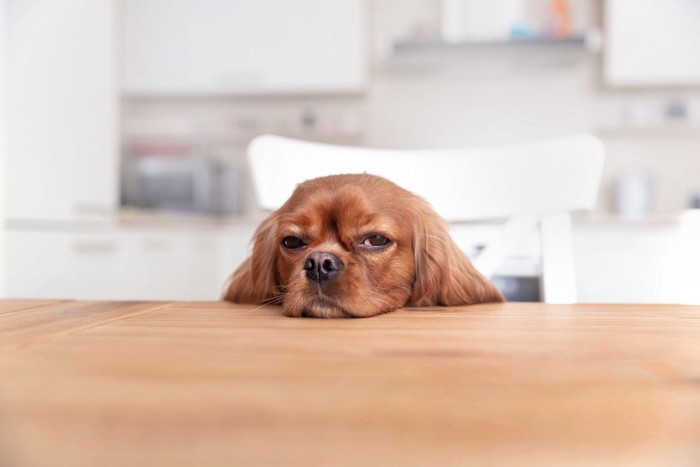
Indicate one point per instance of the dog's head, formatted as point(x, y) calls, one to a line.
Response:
point(356, 246)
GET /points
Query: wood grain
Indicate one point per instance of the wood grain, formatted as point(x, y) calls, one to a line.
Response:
point(8, 306)
point(23, 324)
point(222, 384)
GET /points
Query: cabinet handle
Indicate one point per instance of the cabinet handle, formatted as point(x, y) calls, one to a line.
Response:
point(94, 247)
point(156, 245)
point(93, 209)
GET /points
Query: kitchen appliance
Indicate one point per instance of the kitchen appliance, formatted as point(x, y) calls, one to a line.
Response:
point(634, 193)
point(175, 179)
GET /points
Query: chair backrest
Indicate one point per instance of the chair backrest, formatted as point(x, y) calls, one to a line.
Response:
point(462, 185)
point(531, 184)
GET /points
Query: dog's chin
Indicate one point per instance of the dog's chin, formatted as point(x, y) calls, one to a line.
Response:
point(312, 302)
point(321, 309)
point(316, 307)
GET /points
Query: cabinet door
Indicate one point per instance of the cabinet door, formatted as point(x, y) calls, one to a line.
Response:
point(622, 264)
point(63, 265)
point(254, 46)
point(124, 264)
point(113, 266)
point(652, 43)
point(161, 265)
point(61, 109)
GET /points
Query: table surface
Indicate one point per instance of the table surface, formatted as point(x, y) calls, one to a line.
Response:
point(116, 383)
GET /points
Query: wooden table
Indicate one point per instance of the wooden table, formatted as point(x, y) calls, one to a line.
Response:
point(199, 384)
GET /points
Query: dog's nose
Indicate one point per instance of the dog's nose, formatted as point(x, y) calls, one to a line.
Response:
point(321, 266)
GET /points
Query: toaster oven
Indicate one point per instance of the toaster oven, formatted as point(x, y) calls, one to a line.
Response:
point(179, 182)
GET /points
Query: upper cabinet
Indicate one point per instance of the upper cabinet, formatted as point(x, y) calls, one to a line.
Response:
point(214, 47)
point(652, 43)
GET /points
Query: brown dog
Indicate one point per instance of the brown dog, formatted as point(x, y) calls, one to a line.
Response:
point(356, 246)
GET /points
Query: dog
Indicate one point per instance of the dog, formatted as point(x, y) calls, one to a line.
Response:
point(356, 245)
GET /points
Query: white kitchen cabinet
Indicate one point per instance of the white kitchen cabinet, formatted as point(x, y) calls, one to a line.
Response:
point(170, 266)
point(624, 263)
point(124, 264)
point(243, 47)
point(62, 112)
point(652, 43)
point(62, 264)
point(620, 261)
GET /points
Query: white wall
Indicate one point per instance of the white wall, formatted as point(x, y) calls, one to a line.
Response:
point(473, 95)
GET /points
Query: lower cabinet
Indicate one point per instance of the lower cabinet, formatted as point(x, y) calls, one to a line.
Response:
point(614, 263)
point(639, 263)
point(123, 264)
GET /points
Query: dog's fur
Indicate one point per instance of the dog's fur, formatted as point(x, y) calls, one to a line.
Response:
point(343, 215)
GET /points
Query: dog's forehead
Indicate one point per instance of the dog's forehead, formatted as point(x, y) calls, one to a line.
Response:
point(341, 203)
point(346, 206)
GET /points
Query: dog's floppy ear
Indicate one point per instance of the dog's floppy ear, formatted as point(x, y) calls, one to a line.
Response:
point(255, 280)
point(444, 274)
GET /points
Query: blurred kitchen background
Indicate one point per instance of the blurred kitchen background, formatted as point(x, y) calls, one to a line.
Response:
point(125, 124)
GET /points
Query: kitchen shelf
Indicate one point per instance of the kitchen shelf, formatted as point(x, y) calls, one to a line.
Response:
point(501, 56)
point(678, 130)
point(573, 42)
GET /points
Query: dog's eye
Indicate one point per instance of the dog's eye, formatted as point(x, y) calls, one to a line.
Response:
point(293, 243)
point(375, 241)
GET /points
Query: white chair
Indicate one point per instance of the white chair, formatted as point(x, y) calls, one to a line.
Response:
point(532, 185)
